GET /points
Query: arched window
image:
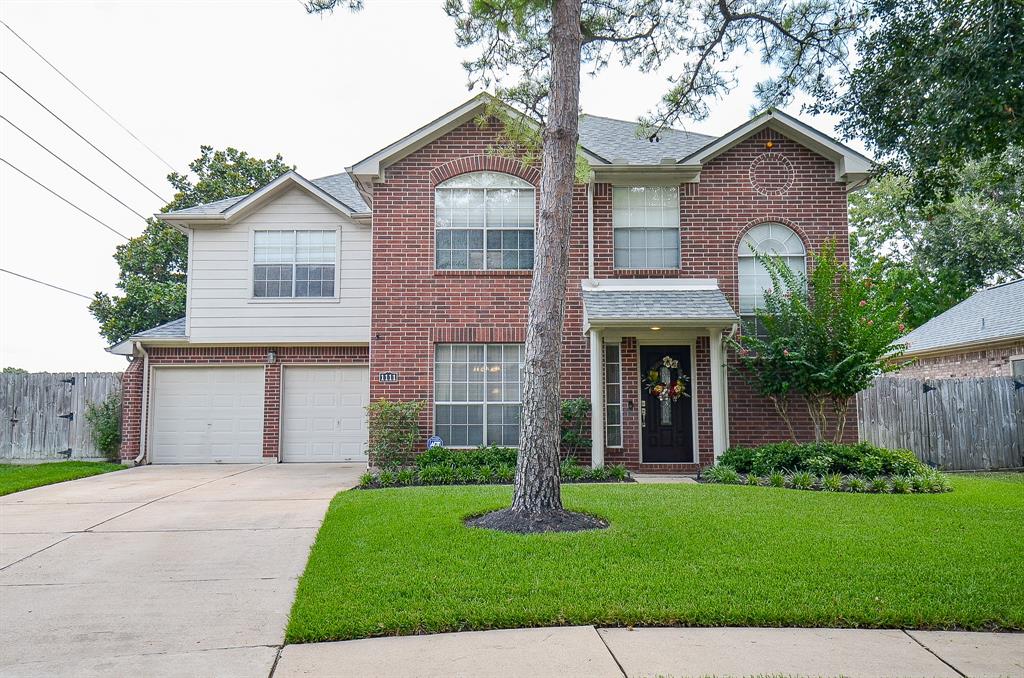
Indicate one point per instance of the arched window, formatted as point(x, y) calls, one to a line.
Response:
point(772, 239)
point(484, 220)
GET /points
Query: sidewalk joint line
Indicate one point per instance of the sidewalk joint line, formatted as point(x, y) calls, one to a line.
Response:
point(277, 658)
point(609, 648)
point(934, 654)
point(59, 541)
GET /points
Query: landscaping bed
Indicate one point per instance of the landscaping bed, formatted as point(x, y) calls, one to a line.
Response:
point(482, 466)
point(830, 467)
point(401, 561)
point(18, 477)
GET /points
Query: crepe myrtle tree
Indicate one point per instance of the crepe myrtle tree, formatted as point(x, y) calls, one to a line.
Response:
point(532, 53)
point(823, 338)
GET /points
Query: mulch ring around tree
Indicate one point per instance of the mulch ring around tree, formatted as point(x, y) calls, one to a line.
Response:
point(521, 522)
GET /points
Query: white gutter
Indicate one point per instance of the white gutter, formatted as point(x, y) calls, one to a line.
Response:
point(590, 227)
point(145, 405)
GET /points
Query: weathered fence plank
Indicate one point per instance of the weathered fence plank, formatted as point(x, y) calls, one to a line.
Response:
point(32, 427)
point(955, 424)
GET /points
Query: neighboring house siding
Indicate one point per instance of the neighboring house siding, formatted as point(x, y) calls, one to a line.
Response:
point(238, 356)
point(993, 361)
point(415, 306)
point(221, 306)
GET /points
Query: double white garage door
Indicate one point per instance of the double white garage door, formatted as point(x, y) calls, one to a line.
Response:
point(215, 414)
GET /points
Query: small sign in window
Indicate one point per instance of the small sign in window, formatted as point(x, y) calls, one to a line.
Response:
point(387, 377)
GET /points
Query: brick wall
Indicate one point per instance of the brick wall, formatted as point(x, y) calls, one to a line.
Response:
point(987, 362)
point(242, 355)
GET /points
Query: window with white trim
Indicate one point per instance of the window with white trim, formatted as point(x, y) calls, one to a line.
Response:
point(484, 221)
point(770, 239)
point(294, 263)
point(645, 221)
point(613, 395)
point(478, 393)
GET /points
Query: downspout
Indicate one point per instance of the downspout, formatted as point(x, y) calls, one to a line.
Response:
point(145, 405)
point(590, 227)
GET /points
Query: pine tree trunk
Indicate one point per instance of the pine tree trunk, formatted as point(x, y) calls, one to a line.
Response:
point(537, 483)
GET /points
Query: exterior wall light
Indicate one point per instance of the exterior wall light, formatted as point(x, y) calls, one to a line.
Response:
point(271, 357)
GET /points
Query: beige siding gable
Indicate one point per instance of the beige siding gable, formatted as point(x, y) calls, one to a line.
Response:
point(221, 306)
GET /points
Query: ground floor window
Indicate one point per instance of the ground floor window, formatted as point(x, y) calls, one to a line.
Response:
point(613, 395)
point(478, 393)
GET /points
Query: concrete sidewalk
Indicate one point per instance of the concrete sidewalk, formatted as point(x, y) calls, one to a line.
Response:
point(670, 652)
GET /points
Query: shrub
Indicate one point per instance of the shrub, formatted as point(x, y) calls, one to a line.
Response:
point(879, 484)
point(821, 458)
point(505, 473)
point(484, 474)
point(857, 484)
point(819, 464)
point(492, 455)
point(871, 465)
point(752, 479)
point(740, 458)
point(366, 480)
point(723, 474)
point(777, 479)
point(900, 484)
point(386, 478)
point(832, 482)
point(618, 472)
point(802, 480)
point(465, 475)
point(394, 430)
point(437, 475)
point(104, 420)
point(406, 476)
point(575, 426)
point(570, 470)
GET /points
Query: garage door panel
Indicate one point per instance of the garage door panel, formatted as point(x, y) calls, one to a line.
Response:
point(207, 414)
point(323, 416)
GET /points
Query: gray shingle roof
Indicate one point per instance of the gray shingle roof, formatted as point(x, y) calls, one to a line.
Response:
point(657, 305)
point(991, 314)
point(616, 140)
point(172, 330)
point(338, 186)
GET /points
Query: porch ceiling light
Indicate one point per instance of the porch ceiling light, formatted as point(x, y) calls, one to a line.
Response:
point(655, 328)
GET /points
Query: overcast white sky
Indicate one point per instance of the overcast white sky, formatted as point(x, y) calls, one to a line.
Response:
point(261, 76)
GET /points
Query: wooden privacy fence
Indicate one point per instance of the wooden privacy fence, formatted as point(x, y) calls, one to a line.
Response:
point(955, 424)
point(43, 414)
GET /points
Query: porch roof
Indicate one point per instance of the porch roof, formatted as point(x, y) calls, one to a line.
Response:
point(691, 305)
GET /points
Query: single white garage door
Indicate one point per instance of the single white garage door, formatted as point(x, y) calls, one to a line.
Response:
point(324, 413)
point(206, 415)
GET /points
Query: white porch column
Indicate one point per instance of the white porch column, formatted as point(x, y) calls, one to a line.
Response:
point(596, 398)
point(719, 405)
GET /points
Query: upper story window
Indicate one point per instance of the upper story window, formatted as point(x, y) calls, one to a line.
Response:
point(646, 225)
point(771, 239)
point(294, 263)
point(483, 221)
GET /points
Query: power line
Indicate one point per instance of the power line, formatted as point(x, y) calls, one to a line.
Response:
point(56, 287)
point(78, 134)
point(94, 103)
point(42, 185)
point(67, 164)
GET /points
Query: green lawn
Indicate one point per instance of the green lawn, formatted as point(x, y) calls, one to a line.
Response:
point(399, 561)
point(18, 477)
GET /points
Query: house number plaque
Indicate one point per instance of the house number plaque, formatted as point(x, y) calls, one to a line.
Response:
point(387, 377)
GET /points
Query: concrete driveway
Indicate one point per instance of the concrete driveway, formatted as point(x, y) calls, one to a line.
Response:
point(158, 570)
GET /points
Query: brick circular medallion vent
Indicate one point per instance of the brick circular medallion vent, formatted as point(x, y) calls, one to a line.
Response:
point(771, 174)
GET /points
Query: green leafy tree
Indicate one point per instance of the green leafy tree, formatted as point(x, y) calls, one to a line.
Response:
point(938, 82)
point(532, 52)
point(154, 264)
point(930, 255)
point(13, 370)
point(826, 336)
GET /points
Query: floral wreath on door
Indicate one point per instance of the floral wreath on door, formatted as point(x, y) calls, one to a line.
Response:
point(659, 381)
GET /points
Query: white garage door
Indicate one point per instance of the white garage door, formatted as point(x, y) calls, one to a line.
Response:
point(324, 413)
point(206, 414)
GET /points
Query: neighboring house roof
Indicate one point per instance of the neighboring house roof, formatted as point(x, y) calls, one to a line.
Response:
point(339, 187)
point(640, 302)
point(617, 141)
point(991, 315)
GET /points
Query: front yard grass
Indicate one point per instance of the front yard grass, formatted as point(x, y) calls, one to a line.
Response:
point(18, 477)
point(400, 561)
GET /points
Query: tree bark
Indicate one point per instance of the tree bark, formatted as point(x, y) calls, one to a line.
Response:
point(537, 482)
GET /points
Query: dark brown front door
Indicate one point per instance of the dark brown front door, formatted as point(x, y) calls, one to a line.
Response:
point(667, 425)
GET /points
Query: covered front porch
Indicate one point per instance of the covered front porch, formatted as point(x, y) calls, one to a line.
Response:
point(657, 372)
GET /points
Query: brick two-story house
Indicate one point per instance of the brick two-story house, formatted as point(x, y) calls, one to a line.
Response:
point(281, 289)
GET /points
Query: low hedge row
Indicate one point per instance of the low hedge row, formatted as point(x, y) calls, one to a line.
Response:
point(822, 458)
point(470, 468)
point(925, 480)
